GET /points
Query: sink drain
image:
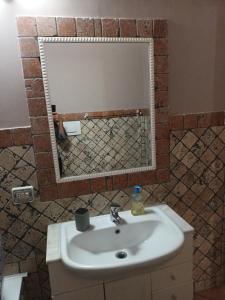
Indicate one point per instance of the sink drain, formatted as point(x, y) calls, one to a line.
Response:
point(121, 254)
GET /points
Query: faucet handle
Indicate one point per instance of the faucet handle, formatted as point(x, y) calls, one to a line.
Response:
point(113, 204)
point(114, 213)
point(115, 207)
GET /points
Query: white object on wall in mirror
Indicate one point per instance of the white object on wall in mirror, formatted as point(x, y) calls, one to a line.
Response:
point(72, 127)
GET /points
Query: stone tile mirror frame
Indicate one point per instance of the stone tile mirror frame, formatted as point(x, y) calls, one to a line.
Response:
point(29, 29)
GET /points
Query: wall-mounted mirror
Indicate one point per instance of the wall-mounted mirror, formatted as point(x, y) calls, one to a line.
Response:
point(100, 100)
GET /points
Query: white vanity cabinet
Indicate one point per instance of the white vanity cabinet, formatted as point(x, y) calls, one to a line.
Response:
point(168, 280)
point(173, 283)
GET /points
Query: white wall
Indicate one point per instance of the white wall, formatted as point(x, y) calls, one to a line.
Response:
point(97, 76)
point(197, 48)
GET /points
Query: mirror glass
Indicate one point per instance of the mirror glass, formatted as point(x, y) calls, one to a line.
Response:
point(99, 94)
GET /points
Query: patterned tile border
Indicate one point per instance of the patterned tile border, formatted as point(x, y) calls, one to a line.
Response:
point(104, 114)
point(29, 29)
point(15, 137)
point(198, 120)
point(44, 161)
point(22, 135)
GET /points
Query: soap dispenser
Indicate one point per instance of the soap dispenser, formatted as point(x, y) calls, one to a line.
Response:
point(137, 206)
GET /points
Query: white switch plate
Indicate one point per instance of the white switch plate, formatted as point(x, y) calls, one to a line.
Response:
point(72, 127)
point(23, 194)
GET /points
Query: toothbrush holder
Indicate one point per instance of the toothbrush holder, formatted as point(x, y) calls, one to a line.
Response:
point(82, 219)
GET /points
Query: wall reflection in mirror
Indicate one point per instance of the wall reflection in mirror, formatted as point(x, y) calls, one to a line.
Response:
point(99, 94)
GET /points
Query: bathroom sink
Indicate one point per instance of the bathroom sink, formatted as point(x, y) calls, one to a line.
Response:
point(138, 241)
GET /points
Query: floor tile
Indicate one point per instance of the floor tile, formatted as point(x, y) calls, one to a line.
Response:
point(212, 294)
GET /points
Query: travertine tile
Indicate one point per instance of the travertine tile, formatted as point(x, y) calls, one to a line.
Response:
point(53, 211)
point(46, 26)
point(10, 269)
point(66, 26)
point(179, 151)
point(195, 191)
point(28, 265)
point(8, 159)
point(144, 28)
point(32, 237)
point(85, 27)
point(18, 228)
point(42, 223)
point(110, 27)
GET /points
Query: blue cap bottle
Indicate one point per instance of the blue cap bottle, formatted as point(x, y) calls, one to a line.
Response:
point(137, 207)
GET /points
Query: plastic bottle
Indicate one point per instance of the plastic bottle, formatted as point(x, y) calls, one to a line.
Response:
point(137, 206)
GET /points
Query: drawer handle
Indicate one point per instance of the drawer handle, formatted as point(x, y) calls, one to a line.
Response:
point(174, 297)
point(172, 277)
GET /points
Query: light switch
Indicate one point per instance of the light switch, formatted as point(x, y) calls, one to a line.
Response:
point(72, 127)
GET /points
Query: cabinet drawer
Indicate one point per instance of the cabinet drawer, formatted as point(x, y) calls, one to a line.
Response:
point(133, 288)
point(90, 293)
point(181, 292)
point(171, 276)
point(63, 280)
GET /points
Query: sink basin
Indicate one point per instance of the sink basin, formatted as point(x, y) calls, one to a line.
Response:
point(138, 241)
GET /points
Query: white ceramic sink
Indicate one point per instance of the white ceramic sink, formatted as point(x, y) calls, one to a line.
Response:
point(143, 240)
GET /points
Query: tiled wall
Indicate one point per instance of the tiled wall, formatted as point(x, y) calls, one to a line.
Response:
point(107, 144)
point(195, 191)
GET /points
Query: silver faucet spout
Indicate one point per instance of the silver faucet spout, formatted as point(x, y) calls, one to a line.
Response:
point(114, 213)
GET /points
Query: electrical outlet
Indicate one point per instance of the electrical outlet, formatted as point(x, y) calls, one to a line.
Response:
point(23, 194)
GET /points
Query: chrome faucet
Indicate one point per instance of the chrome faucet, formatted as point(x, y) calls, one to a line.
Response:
point(114, 213)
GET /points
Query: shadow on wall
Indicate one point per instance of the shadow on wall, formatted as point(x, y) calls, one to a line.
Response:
point(196, 56)
point(219, 66)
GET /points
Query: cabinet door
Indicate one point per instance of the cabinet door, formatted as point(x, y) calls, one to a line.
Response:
point(171, 276)
point(182, 292)
point(133, 288)
point(89, 293)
